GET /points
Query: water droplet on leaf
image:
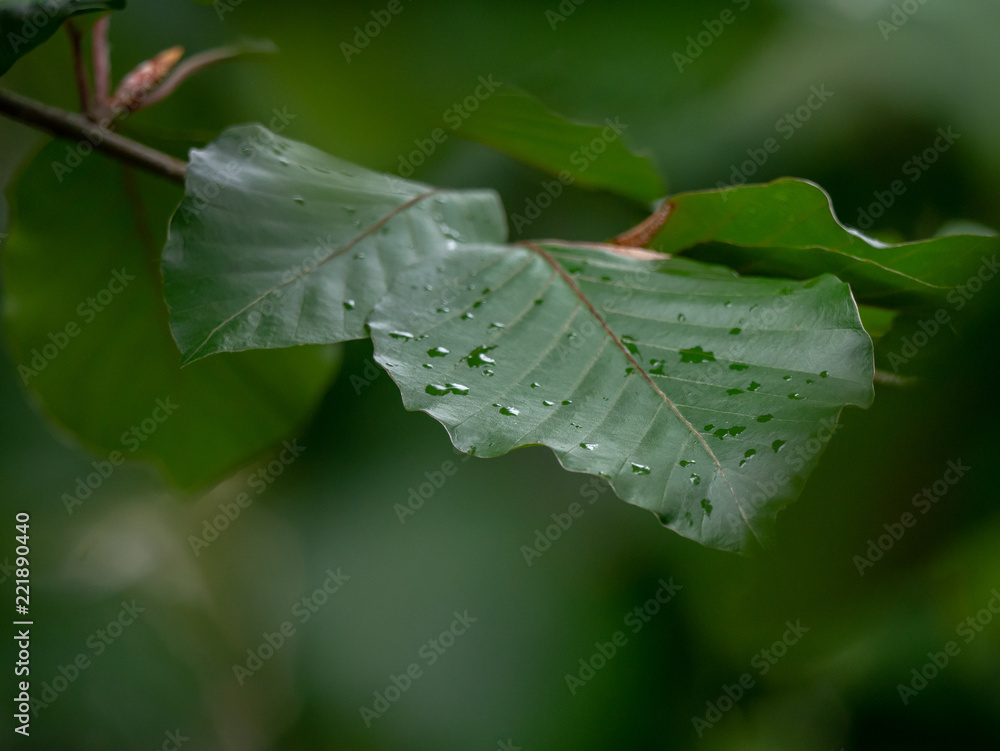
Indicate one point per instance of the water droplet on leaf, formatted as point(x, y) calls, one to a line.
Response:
point(630, 344)
point(696, 355)
point(449, 388)
point(478, 357)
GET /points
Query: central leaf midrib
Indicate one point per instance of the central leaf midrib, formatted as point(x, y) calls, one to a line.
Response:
point(306, 271)
point(548, 258)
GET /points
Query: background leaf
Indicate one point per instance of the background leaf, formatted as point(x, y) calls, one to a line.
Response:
point(694, 391)
point(94, 270)
point(25, 24)
point(787, 228)
point(516, 123)
point(277, 243)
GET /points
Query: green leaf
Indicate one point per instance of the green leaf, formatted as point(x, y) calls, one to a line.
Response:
point(277, 243)
point(787, 228)
point(702, 396)
point(514, 122)
point(86, 323)
point(25, 24)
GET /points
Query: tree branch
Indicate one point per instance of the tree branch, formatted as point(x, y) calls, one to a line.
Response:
point(78, 128)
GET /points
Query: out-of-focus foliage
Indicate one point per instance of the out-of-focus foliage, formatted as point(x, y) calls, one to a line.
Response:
point(346, 499)
point(25, 24)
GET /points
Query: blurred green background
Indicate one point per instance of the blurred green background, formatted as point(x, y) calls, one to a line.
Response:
point(502, 684)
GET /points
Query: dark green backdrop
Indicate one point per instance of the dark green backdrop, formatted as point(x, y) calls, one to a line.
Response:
point(501, 683)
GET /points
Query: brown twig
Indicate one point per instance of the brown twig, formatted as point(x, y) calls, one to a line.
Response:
point(101, 54)
point(79, 69)
point(136, 87)
point(188, 68)
point(78, 128)
point(641, 234)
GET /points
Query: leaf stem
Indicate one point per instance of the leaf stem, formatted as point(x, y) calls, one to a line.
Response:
point(68, 125)
point(188, 68)
point(79, 69)
point(101, 54)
